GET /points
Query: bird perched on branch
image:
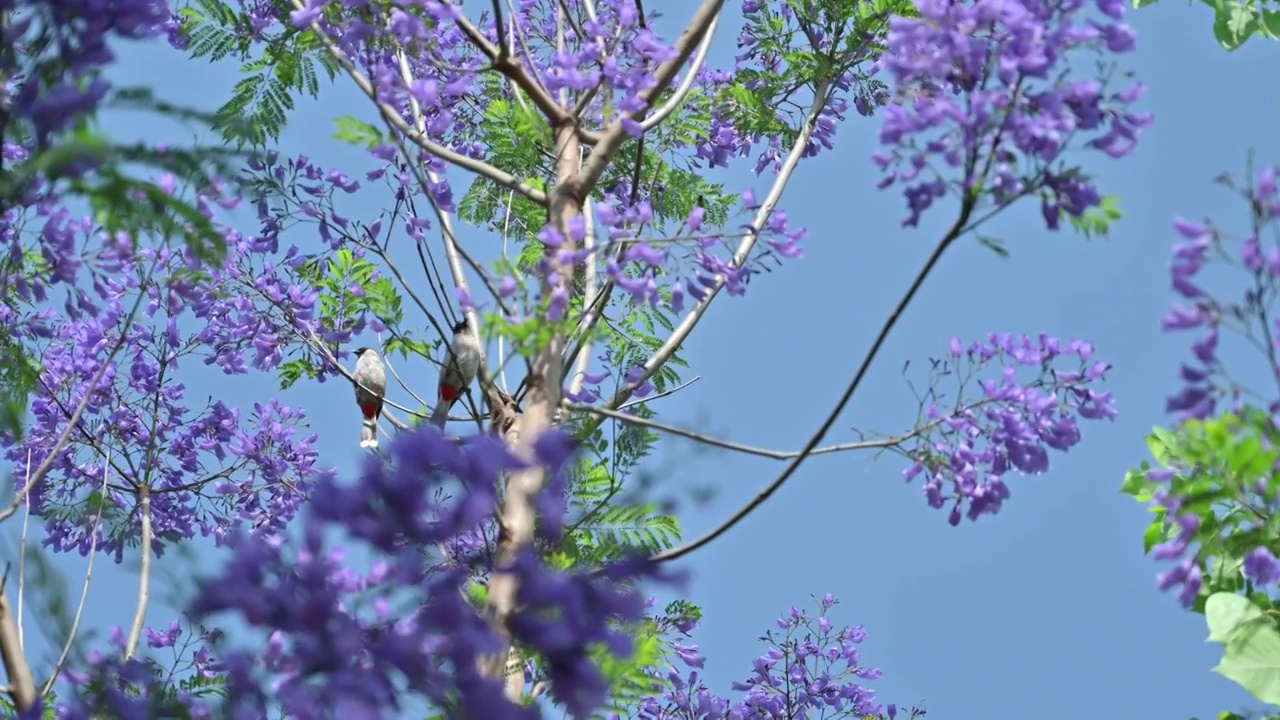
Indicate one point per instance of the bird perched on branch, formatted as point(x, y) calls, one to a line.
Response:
point(461, 363)
point(371, 386)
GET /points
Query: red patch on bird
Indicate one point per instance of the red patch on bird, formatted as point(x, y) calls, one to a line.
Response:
point(370, 410)
point(449, 394)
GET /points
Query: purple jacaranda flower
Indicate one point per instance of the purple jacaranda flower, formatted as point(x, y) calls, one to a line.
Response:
point(987, 114)
point(967, 451)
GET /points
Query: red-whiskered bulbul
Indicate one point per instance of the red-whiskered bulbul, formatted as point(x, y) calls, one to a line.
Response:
point(371, 386)
point(461, 363)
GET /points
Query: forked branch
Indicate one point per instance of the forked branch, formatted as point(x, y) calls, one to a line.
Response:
point(712, 441)
point(740, 255)
point(392, 116)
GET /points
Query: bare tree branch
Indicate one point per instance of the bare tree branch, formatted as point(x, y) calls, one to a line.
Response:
point(498, 26)
point(144, 573)
point(740, 256)
point(751, 449)
point(516, 71)
point(954, 232)
point(590, 294)
point(387, 361)
point(506, 227)
point(22, 688)
point(681, 93)
point(453, 251)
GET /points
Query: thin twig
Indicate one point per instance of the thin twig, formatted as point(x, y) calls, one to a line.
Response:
point(499, 30)
point(506, 228)
point(965, 210)
point(752, 449)
point(520, 73)
point(518, 37)
point(452, 248)
point(664, 393)
point(387, 361)
point(84, 589)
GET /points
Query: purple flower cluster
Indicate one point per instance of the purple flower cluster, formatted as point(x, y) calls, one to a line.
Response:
point(142, 686)
point(966, 452)
point(1187, 573)
point(984, 88)
point(133, 689)
point(367, 643)
point(47, 246)
point(118, 349)
point(780, 42)
point(809, 669)
point(1254, 314)
point(1206, 381)
point(53, 87)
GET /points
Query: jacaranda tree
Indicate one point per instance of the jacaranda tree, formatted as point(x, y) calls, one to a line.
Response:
point(508, 557)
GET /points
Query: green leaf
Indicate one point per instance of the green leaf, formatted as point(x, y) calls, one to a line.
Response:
point(358, 133)
point(1271, 22)
point(1252, 658)
point(1135, 483)
point(1233, 23)
point(995, 245)
point(1153, 535)
point(1224, 612)
point(1097, 221)
point(1161, 442)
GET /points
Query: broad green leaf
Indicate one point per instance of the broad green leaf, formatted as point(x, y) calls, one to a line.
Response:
point(1233, 23)
point(1253, 659)
point(1224, 612)
point(1271, 22)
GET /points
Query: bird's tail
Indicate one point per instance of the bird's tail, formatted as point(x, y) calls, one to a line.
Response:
point(440, 414)
point(369, 433)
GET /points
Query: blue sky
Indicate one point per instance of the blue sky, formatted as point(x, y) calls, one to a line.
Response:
point(1048, 610)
